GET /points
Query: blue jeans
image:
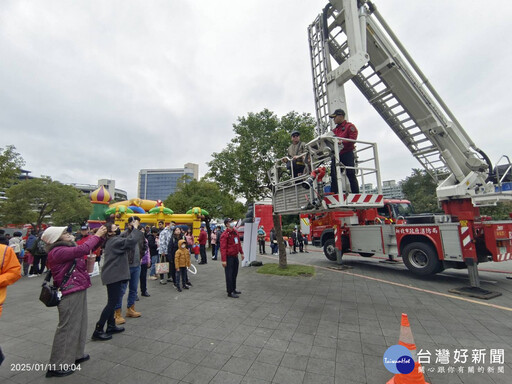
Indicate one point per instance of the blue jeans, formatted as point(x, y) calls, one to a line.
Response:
point(133, 283)
point(154, 259)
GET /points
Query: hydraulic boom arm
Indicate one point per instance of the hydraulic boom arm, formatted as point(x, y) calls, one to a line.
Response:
point(351, 41)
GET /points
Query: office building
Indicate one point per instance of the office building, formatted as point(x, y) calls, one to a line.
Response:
point(116, 193)
point(158, 184)
point(392, 190)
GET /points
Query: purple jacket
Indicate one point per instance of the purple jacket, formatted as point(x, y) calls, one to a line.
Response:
point(60, 260)
point(147, 258)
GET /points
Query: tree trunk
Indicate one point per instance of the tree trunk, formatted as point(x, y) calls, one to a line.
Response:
point(279, 235)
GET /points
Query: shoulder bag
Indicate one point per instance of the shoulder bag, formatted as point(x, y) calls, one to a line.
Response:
point(51, 295)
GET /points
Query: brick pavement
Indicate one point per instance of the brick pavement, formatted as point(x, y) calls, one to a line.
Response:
point(330, 328)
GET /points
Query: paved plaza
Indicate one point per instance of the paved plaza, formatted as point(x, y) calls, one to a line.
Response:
point(333, 327)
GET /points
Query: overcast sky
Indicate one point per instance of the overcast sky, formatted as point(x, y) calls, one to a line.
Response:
point(101, 89)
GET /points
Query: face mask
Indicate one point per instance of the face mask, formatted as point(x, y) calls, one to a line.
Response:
point(232, 224)
point(183, 245)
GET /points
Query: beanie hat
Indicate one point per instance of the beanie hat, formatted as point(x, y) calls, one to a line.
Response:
point(52, 234)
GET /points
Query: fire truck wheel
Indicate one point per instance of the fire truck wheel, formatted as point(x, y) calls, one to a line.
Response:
point(366, 254)
point(330, 249)
point(421, 259)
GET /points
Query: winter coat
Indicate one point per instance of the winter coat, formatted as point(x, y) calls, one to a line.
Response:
point(61, 256)
point(146, 258)
point(136, 253)
point(172, 247)
point(16, 243)
point(153, 246)
point(203, 237)
point(10, 271)
point(165, 236)
point(115, 265)
point(182, 255)
point(30, 242)
point(230, 244)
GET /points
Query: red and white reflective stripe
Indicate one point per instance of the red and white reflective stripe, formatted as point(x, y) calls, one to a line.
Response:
point(504, 257)
point(332, 199)
point(354, 198)
point(465, 236)
point(363, 198)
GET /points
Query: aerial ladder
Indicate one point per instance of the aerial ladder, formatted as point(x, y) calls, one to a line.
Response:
point(351, 41)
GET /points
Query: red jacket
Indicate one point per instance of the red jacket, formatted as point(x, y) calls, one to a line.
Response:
point(346, 130)
point(203, 237)
point(230, 244)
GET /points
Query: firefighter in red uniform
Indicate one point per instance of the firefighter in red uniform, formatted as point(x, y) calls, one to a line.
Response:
point(230, 247)
point(345, 130)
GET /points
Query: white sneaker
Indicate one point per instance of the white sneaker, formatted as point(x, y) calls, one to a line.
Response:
point(32, 275)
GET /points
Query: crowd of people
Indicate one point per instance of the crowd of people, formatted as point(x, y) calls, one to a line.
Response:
point(126, 257)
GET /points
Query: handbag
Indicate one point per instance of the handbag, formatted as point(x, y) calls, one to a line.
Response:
point(51, 295)
point(161, 267)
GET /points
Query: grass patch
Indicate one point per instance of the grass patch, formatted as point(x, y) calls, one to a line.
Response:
point(290, 270)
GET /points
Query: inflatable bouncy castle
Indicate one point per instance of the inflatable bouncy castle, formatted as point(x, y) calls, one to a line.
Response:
point(150, 212)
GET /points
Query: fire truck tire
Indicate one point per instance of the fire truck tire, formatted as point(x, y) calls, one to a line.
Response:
point(330, 249)
point(366, 254)
point(421, 259)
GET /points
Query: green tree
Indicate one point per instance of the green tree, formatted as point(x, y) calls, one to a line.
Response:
point(420, 189)
point(206, 195)
point(36, 201)
point(260, 139)
point(501, 211)
point(10, 166)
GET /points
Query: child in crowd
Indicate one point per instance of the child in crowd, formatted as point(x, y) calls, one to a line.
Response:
point(182, 261)
point(196, 250)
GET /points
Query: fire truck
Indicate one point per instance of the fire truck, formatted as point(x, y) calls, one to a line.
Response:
point(351, 41)
point(394, 211)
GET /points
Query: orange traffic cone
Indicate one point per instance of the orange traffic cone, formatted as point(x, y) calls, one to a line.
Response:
point(406, 340)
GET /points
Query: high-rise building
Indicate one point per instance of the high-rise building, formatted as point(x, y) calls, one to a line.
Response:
point(158, 184)
point(392, 190)
point(116, 193)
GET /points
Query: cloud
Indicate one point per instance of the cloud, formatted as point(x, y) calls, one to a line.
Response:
point(94, 89)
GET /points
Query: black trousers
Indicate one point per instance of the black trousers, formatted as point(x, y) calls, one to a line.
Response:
point(181, 271)
point(202, 251)
point(231, 272)
point(348, 160)
point(143, 277)
point(262, 245)
point(114, 294)
point(43, 263)
point(35, 265)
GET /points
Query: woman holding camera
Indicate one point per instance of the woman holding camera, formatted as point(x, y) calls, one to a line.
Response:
point(66, 259)
point(114, 273)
